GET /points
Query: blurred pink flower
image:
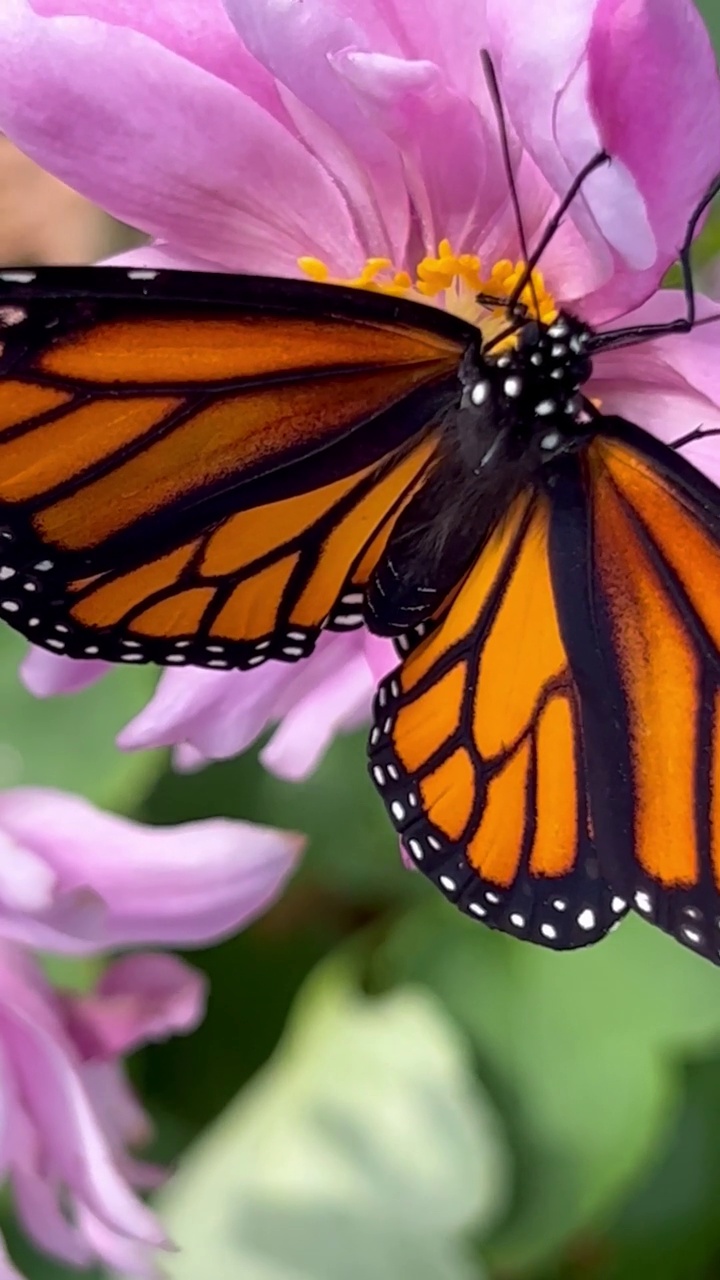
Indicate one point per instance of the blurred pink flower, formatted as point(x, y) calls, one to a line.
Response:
point(69, 1115)
point(367, 131)
point(76, 880)
point(212, 715)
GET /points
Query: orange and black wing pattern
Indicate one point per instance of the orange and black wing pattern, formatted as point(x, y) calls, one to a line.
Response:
point(205, 469)
point(477, 750)
point(550, 755)
point(651, 703)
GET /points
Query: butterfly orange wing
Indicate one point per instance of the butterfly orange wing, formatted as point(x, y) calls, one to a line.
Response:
point(206, 468)
point(653, 708)
point(551, 754)
point(477, 751)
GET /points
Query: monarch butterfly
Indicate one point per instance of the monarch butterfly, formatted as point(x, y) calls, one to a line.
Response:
point(206, 469)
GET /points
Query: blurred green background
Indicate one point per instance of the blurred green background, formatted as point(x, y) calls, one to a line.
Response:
point(382, 1088)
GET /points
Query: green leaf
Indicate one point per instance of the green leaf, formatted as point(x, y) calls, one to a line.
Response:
point(68, 742)
point(364, 1150)
point(583, 1047)
point(669, 1227)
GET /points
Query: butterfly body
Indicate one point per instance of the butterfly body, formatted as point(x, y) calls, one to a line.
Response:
point(517, 410)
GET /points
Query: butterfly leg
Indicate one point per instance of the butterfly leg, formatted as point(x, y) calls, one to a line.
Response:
point(683, 324)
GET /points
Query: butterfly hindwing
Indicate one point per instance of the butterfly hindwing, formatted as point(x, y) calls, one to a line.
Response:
point(477, 751)
point(205, 468)
point(652, 706)
point(551, 754)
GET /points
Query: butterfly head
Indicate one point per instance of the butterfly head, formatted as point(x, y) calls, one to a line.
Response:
point(531, 393)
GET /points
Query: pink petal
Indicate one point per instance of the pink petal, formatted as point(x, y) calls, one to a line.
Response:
point(449, 32)
point(631, 76)
point(538, 50)
point(118, 883)
point(27, 883)
point(52, 1093)
point(450, 156)
point(201, 34)
point(173, 162)
point(296, 42)
point(381, 657)
point(338, 704)
point(687, 360)
point(125, 1257)
point(140, 999)
point(34, 1195)
point(157, 256)
point(36, 1204)
point(670, 386)
point(68, 1121)
point(220, 714)
point(654, 89)
point(124, 1120)
point(46, 674)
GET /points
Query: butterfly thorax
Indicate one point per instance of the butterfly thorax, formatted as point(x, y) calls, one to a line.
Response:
point(520, 407)
point(528, 396)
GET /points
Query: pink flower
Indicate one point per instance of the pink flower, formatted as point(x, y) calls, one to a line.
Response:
point(76, 880)
point(328, 132)
point(212, 715)
point(69, 1115)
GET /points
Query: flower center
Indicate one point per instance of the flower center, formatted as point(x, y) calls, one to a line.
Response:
point(452, 281)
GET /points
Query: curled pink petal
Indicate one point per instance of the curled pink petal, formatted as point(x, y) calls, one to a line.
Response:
point(140, 999)
point(642, 57)
point(48, 1079)
point(47, 674)
point(214, 715)
point(117, 883)
point(69, 1115)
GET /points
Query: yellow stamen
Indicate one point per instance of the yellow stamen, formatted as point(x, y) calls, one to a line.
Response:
point(315, 269)
point(453, 281)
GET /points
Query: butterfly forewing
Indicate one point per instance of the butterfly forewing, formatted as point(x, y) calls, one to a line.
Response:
point(203, 460)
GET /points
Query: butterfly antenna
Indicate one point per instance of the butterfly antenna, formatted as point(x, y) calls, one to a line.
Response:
point(553, 225)
point(495, 98)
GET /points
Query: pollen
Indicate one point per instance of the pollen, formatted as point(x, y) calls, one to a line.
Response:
point(378, 275)
point(456, 282)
